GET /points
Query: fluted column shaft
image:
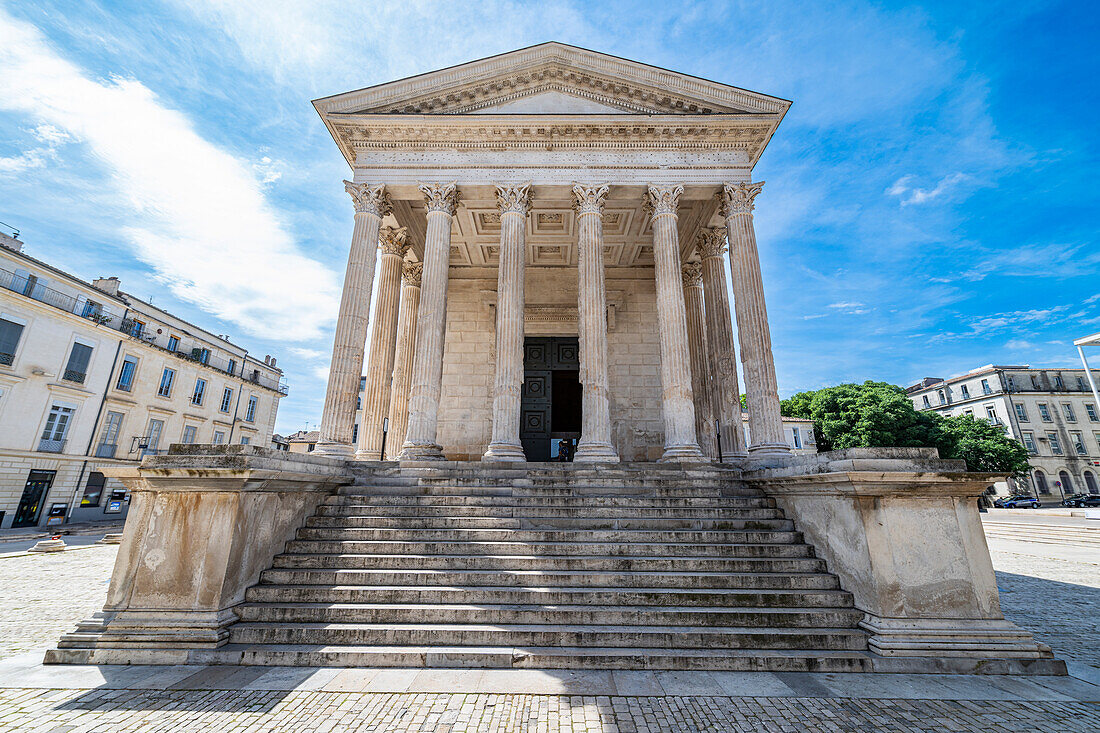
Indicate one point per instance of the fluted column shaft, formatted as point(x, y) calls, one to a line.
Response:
point(505, 445)
point(338, 417)
point(595, 443)
point(427, 372)
point(678, 406)
point(403, 357)
point(725, 392)
point(697, 346)
point(762, 394)
point(376, 395)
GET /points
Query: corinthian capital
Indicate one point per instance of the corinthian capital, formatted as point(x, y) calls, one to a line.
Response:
point(410, 273)
point(738, 198)
point(441, 197)
point(589, 199)
point(693, 274)
point(369, 199)
point(711, 242)
point(514, 199)
point(393, 241)
point(662, 200)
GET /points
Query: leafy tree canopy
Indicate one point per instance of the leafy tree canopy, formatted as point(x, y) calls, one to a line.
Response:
point(879, 415)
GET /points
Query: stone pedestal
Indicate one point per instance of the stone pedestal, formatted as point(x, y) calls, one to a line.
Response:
point(338, 418)
point(203, 524)
point(513, 203)
point(393, 244)
point(403, 357)
point(427, 372)
point(677, 401)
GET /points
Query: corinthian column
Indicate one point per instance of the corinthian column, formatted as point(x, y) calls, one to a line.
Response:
point(338, 418)
point(513, 203)
point(431, 325)
point(402, 364)
point(722, 357)
point(679, 411)
point(595, 443)
point(376, 404)
point(697, 345)
point(765, 424)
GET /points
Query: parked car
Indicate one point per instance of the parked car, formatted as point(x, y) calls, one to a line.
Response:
point(1018, 502)
point(1082, 500)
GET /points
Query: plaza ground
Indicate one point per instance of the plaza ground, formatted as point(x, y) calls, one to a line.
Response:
point(1049, 586)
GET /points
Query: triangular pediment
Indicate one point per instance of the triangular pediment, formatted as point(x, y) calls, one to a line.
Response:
point(552, 78)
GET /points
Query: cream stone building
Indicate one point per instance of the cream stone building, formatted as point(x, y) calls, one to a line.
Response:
point(91, 376)
point(1051, 412)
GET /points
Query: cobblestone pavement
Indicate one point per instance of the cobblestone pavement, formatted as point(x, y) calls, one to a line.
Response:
point(239, 711)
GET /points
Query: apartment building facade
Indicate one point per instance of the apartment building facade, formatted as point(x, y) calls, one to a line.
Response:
point(91, 376)
point(1051, 412)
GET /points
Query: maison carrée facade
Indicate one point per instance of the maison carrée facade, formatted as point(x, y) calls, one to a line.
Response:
point(555, 229)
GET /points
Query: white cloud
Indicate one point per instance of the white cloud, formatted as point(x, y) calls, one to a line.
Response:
point(851, 307)
point(36, 157)
point(910, 195)
point(199, 216)
point(268, 170)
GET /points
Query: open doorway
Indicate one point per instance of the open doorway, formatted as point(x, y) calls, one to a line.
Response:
point(550, 412)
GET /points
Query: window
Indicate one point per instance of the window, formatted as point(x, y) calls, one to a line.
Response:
point(91, 309)
point(173, 343)
point(1034, 381)
point(358, 403)
point(1029, 443)
point(1021, 412)
point(1067, 410)
point(1081, 383)
point(250, 413)
point(1078, 443)
point(1011, 384)
point(1055, 445)
point(152, 437)
point(202, 356)
point(57, 427)
point(245, 440)
point(1064, 480)
point(137, 328)
point(126, 374)
point(188, 434)
point(219, 437)
point(991, 415)
point(1090, 483)
point(166, 379)
point(1090, 410)
point(355, 434)
point(966, 392)
point(1044, 412)
point(985, 387)
point(93, 490)
point(926, 402)
point(1058, 383)
point(10, 332)
point(232, 367)
point(108, 439)
point(199, 393)
point(797, 437)
point(942, 396)
point(227, 400)
point(1097, 436)
point(76, 370)
point(1041, 482)
point(363, 386)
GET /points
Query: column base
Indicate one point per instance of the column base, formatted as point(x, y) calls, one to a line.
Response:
point(421, 452)
point(732, 457)
point(500, 452)
point(594, 452)
point(368, 455)
point(687, 453)
point(769, 449)
point(332, 449)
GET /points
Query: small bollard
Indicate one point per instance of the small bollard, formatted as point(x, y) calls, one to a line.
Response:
point(54, 544)
point(113, 538)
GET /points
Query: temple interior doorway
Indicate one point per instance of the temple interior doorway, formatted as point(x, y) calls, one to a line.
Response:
point(550, 410)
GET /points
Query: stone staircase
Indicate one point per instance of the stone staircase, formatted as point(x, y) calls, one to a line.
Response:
point(550, 566)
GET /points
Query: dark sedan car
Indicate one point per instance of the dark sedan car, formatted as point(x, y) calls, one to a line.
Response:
point(1082, 500)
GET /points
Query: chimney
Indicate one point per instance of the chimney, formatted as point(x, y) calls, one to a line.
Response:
point(273, 362)
point(267, 358)
point(108, 285)
point(11, 242)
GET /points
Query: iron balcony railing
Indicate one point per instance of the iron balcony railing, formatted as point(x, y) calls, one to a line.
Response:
point(6, 359)
point(106, 450)
point(45, 445)
point(71, 375)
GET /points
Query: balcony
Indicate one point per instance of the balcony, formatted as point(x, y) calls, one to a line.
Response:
point(6, 359)
point(74, 376)
point(106, 450)
point(51, 446)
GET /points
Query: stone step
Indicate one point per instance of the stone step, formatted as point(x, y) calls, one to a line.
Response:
point(337, 554)
point(368, 604)
point(537, 522)
point(672, 492)
point(578, 503)
point(522, 635)
point(497, 657)
point(570, 512)
point(767, 570)
point(547, 579)
point(532, 536)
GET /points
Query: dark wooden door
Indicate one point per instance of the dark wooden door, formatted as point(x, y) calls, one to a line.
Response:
point(34, 495)
point(545, 360)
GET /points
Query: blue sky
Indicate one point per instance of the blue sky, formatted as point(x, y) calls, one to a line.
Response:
point(931, 201)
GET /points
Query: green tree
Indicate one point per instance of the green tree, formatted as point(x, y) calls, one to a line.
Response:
point(983, 445)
